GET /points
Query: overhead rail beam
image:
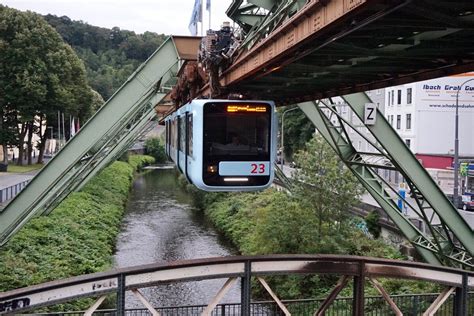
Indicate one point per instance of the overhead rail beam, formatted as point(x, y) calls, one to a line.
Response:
point(103, 138)
point(308, 50)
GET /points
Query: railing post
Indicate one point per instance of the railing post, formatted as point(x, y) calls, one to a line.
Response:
point(245, 290)
point(223, 309)
point(415, 304)
point(121, 295)
point(460, 298)
point(358, 292)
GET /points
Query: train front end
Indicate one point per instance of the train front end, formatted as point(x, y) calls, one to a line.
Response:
point(239, 145)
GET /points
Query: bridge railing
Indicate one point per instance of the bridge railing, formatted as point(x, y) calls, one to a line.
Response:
point(351, 269)
point(11, 191)
point(411, 304)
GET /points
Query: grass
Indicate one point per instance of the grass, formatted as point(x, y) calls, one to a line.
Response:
point(22, 169)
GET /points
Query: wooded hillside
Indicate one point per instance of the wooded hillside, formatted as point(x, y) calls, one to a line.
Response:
point(110, 55)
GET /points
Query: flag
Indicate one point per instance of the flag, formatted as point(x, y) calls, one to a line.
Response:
point(208, 5)
point(196, 17)
point(73, 128)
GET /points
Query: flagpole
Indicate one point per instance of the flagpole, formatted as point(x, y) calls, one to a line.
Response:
point(59, 130)
point(64, 129)
point(209, 8)
point(202, 20)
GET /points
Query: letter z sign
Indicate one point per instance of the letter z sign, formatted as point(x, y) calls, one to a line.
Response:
point(370, 114)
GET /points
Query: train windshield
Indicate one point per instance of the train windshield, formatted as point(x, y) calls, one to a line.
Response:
point(237, 131)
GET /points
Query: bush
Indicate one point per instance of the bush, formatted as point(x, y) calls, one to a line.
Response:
point(139, 161)
point(78, 237)
point(153, 147)
point(372, 222)
point(272, 222)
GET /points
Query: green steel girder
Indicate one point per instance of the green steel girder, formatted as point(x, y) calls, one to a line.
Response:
point(105, 136)
point(268, 23)
point(442, 244)
point(108, 154)
point(250, 19)
point(125, 143)
point(266, 4)
point(419, 178)
point(366, 176)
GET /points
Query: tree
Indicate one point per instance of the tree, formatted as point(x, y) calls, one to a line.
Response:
point(154, 148)
point(298, 131)
point(39, 76)
point(325, 185)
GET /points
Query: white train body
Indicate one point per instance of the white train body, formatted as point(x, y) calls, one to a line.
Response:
point(224, 145)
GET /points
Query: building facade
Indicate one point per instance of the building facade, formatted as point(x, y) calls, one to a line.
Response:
point(423, 114)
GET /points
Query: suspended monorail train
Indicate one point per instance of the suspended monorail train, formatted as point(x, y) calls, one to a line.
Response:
point(224, 145)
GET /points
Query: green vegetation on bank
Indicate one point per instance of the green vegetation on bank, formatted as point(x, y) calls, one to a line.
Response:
point(78, 237)
point(313, 219)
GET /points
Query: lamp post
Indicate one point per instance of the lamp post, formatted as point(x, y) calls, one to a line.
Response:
point(456, 146)
point(282, 135)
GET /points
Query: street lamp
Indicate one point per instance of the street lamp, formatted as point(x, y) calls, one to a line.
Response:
point(282, 135)
point(456, 146)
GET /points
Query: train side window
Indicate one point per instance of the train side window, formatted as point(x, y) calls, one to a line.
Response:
point(182, 133)
point(190, 135)
point(175, 135)
point(167, 131)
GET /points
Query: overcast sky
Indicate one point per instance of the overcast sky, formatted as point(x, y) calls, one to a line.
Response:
point(160, 16)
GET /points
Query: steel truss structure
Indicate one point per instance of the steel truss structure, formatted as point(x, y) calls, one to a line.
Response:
point(105, 137)
point(444, 237)
point(359, 270)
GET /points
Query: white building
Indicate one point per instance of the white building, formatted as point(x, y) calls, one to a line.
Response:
point(423, 114)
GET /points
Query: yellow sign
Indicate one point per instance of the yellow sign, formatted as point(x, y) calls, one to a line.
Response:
point(246, 108)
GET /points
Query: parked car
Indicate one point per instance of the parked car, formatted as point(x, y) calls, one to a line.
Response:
point(465, 201)
point(468, 202)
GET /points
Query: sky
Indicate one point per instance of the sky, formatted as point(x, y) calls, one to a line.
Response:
point(160, 16)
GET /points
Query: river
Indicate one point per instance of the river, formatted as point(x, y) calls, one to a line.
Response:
point(160, 225)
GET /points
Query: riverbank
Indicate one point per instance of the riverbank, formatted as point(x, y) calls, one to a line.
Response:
point(78, 237)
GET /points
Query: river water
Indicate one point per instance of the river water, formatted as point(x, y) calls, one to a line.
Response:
point(160, 225)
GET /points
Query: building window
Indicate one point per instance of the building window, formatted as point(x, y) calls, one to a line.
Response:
point(399, 97)
point(408, 142)
point(409, 95)
point(399, 121)
point(392, 97)
point(408, 121)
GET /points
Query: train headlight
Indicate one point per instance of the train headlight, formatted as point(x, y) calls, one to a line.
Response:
point(212, 169)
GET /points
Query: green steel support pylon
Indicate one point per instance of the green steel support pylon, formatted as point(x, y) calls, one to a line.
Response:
point(99, 142)
point(447, 239)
